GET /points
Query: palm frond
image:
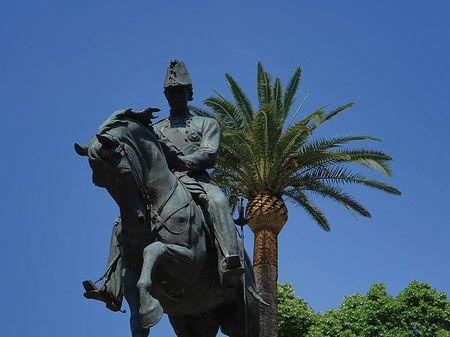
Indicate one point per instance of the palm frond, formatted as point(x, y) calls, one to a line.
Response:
point(226, 113)
point(260, 128)
point(291, 90)
point(229, 180)
point(238, 179)
point(278, 100)
point(264, 86)
point(314, 119)
point(337, 194)
point(238, 151)
point(316, 157)
point(241, 100)
point(335, 112)
point(371, 159)
point(200, 112)
point(298, 167)
point(324, 144)
point(338, 175)
point(283, 162)
point(295, 115)
point(271, 124)
point(299, 198)
point(293, 138)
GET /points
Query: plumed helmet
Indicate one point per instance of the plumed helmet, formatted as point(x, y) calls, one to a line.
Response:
point(177, 75)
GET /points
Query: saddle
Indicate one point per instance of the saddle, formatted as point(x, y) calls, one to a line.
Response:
point(193, 186)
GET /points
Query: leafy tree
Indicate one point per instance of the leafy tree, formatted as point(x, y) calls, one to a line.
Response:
point(295, 316)
point(370, 315)
point(425, 311)
point(417, 311)
point(267, 157)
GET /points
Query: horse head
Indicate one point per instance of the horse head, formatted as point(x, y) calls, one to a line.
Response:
point(120, 156)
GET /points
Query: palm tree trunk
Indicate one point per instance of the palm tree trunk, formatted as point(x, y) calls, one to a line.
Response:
point(268, 214)
point(265, 265)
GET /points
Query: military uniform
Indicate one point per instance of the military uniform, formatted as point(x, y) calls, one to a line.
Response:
point(191, 145)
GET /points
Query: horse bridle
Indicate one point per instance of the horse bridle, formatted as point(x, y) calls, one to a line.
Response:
point(155, 217)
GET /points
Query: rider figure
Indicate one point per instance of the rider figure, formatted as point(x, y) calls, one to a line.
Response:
point(191, 145)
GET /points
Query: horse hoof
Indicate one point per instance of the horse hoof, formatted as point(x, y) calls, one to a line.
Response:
point(153, 316)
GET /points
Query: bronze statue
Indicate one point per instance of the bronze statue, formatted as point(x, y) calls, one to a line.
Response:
point(174, 247)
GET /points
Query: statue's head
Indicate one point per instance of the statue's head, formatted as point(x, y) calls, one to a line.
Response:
point(178, 85)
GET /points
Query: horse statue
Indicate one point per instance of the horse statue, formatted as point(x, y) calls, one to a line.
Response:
point(168, 249)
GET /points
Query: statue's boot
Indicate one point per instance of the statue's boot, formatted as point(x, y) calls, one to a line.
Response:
point(101, 294)
point(230, 265)
point(232, 270)
point(151, 312)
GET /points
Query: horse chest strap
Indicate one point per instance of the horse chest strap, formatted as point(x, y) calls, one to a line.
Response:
point(168, 196)
point(157, 222)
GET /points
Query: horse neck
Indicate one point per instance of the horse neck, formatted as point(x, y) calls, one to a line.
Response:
point(158, 179)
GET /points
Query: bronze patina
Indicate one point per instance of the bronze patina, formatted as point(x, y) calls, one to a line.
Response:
point(174, 247)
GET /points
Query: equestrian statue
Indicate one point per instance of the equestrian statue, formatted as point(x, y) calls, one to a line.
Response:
point(174, 247)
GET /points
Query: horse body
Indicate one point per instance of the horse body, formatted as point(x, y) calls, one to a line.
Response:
point(168, 250)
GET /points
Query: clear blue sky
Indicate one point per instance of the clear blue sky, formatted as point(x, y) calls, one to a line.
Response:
point(66, 65)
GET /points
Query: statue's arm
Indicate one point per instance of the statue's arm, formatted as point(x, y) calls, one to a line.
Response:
point(206, 155)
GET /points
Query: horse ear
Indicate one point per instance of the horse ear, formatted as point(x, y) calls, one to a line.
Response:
point(107, 140)
point(144, 116)
point(82, 150)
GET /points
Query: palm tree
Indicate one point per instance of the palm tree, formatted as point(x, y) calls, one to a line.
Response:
point(269, 160)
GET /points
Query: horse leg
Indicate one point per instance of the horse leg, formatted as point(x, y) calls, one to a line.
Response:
point(237, 321)
point(234, 320)
point(151, 311)
point(131, 293)
point(252, 315)
point(233, 323)
point(192, 326)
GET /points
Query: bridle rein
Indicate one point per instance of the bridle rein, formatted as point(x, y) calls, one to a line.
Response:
point(156, 223)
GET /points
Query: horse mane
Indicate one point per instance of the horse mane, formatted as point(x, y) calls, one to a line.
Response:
point(133, 130)
point(123, 117)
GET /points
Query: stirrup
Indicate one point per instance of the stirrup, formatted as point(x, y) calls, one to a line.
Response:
point(95, 292)
point(232, 270)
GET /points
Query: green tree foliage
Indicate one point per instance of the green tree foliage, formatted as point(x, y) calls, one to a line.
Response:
point(425, 310)
point(295, 316)
point(419, 310)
